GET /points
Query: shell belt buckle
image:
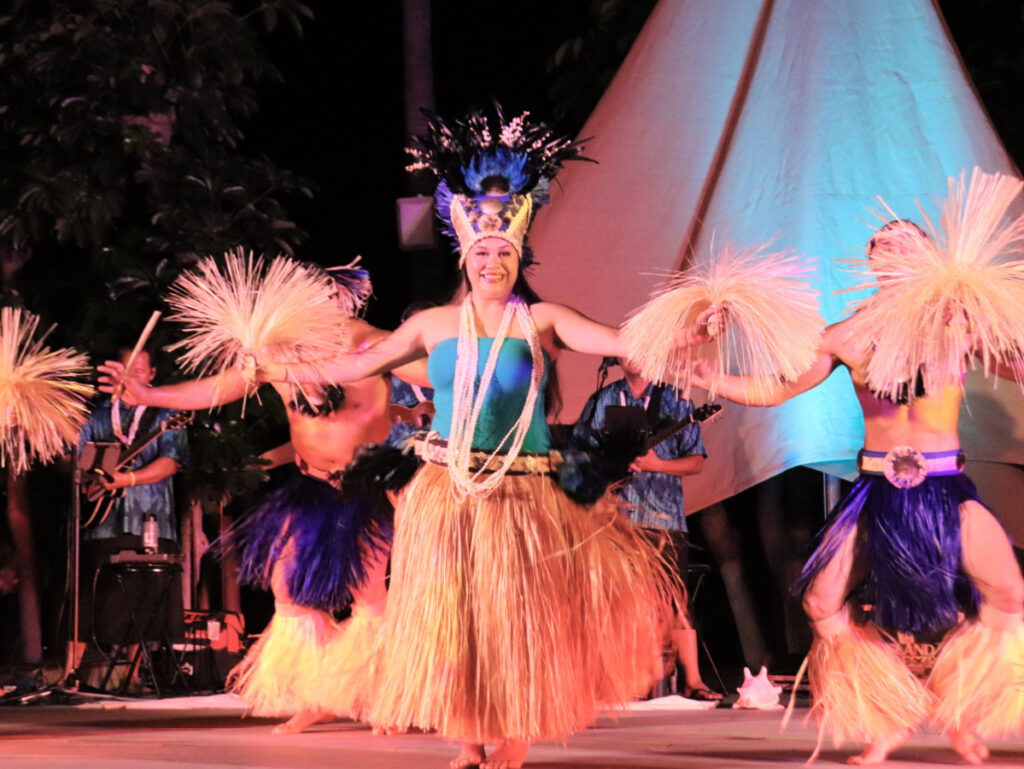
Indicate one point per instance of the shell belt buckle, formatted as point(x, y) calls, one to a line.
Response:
point(905, 467)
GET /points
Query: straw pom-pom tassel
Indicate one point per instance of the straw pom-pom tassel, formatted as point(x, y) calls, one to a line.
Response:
point(861, 690)
point(763, 314)
point(350, 667)
point(280, 309)
point(947, 294)
point(280, 672)
point(44, 401)
point(978, 677)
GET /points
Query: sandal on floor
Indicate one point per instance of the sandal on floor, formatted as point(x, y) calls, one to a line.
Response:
point(702, 695)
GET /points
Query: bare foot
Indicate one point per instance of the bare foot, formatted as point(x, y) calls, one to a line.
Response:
point(470, 755)
point(384, 730)
point(302, 721)
point(508, 754)
point(879, 750)
point(970, 748)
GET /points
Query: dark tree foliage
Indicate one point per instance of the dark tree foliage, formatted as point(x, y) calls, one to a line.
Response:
point(121, 143)
point(123, 159)
point(582, 67)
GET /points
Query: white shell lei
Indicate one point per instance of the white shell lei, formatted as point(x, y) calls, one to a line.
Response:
point(468, 400)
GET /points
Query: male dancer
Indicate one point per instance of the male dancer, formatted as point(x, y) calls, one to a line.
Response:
point(912, 540)
point(293, 545)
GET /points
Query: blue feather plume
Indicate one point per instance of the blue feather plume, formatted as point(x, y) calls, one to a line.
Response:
point(511, 166)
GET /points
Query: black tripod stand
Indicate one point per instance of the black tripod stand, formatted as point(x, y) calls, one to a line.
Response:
point(90, 456)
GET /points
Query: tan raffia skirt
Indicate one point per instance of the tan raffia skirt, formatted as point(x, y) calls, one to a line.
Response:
point(516, 616)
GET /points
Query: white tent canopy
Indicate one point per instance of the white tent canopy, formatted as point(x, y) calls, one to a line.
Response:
point(750, 122)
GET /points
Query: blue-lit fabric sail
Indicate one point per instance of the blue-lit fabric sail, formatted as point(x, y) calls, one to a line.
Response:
point(744, 122)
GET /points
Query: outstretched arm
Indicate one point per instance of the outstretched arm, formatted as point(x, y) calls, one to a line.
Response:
point(405, 345)
point(1004, 370)
point(414, 373)
point(575, 331)
point(188, 395)
point(741, 389)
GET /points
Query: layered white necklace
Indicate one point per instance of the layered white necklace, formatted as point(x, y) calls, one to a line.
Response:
point(115, 423)
point(468, 401)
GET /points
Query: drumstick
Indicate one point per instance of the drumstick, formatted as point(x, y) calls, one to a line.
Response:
point(150, 325)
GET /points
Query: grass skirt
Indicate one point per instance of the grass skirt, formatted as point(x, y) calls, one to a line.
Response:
point(347, 679)
point(324, 533)
point(860, 689)
point(518, 615)
point(911, 543)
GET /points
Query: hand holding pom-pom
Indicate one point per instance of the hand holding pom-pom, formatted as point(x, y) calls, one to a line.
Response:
point(248, 367)
point(257, 370)
point(710, 323)
point(701, 372)
point(751, 312)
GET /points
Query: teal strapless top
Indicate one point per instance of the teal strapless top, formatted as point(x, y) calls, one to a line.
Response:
point(505, 397)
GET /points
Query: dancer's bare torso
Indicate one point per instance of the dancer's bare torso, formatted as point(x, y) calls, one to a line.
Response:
point(329, 440)
point(927, 423)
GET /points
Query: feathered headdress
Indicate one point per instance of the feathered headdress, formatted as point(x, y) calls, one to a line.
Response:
point(946, 293)
point(353, 285)
point(279, 308)
point(43, 402)
point(491, 174)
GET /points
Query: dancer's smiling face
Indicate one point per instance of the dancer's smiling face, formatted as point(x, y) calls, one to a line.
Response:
point(492, 266)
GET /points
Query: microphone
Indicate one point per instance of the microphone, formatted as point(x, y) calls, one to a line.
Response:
point(602, 371)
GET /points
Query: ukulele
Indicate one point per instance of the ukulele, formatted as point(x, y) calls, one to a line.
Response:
point(701, 414)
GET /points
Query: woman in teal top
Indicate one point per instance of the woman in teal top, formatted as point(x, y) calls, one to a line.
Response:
point(514, 613)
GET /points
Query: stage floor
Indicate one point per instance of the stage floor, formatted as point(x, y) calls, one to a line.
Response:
point(208, 733)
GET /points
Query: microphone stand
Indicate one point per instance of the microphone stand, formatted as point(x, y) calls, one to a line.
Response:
point(70, 678)
point(69, 683)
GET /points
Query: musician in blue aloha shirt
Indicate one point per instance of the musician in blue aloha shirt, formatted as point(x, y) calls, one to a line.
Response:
point(654, 493)
point(148, 489)
point(147, 482)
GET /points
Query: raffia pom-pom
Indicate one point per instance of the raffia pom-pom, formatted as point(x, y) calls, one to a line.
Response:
point(945, 294)
point(243, 305)
point(44, 398)
point(766, 326)
point(860, 690)
point(978, 680)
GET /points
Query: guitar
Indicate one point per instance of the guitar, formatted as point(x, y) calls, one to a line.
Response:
point(103, 499)
point(701, 414)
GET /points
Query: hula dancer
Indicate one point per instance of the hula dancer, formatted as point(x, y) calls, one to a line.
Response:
point(515, 612)
point(911, 539)
point(321, 541)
